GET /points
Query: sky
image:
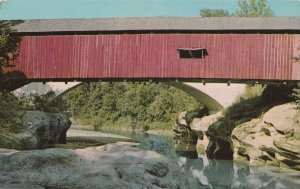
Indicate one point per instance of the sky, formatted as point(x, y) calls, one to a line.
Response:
point(53, 9)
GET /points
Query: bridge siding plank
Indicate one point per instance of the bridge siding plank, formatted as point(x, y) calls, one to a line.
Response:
point(231, 56)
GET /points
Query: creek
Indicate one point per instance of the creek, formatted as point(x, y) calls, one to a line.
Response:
point(213, 174)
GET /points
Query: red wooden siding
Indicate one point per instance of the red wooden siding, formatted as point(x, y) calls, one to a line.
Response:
point(231, 56)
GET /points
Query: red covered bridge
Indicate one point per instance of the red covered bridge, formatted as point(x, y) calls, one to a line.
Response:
point(185, 49)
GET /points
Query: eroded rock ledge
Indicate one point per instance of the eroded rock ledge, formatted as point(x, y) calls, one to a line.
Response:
point(119, 165)
point(271, 139)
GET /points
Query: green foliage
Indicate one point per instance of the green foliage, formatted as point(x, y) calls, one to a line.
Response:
point(256, 98)
point(9, 109)
point(253, 103)
point(278, 94)
point(8, 45)
point(136, 105)
point(42, 102)
point(254, 8)
point(296, 95)
point(296, 90)
point(9, 50)
point(297, 58)
point(249, 101)
point(247, 8)
point(203, 111)
point(214, 13)
point(9, 105)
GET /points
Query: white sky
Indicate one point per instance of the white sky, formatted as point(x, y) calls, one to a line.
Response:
point(222, 93)
point(61, 85)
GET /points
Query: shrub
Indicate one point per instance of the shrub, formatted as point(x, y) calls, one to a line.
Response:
point(9, 105)
point(250, 100)
point(277, 94)
point(296, 95)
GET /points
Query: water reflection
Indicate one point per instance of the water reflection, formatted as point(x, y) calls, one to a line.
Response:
point(185, 146)
point(224, 174)
point(205, 173)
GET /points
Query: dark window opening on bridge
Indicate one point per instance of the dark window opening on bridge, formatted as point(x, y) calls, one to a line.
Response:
point(192, 52)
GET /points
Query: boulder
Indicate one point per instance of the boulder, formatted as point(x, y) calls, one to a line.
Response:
point(269, 140)
point(119, 165)
point(213, 144)
point(202, 124)
point(36, 130)
point(49, 128)
point(180, 127)
point(281, 118)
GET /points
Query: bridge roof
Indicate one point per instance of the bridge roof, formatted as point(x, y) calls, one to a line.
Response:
point(162, 24)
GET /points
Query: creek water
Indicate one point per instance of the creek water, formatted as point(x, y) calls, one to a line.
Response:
point(214, 174)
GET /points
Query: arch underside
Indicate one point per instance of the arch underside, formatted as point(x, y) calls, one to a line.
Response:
point(212, 105)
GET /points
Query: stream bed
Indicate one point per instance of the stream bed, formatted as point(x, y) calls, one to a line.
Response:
point(213, 174)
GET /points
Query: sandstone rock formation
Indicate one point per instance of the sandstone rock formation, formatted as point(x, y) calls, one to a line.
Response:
point(213, 143)
point(202, 125)
point(272, 139)
point(117, 165)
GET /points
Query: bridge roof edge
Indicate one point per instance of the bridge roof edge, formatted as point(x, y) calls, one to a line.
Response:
point(220, 24)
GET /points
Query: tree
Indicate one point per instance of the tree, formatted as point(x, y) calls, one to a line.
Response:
point(296, 90)
point(8, 103)
point(297, 58)
point(254, 8)
point(139, 105)
point(247, 8)
point(8, 50)
point(214, 13)
point(296, 95)
point(8, 45)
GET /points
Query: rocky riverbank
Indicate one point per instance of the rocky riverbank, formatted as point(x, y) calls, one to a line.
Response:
point(119, 165)
point(35, 130)
point(271, 138)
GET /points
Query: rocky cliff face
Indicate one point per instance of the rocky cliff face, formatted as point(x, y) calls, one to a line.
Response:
point(214, 143)
point(272, 139)
point(202, 125)
point(36, 130)
point(119, 165)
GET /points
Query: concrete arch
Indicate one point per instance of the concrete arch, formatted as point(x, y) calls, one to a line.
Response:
point(64, 92)
point(212, 105)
